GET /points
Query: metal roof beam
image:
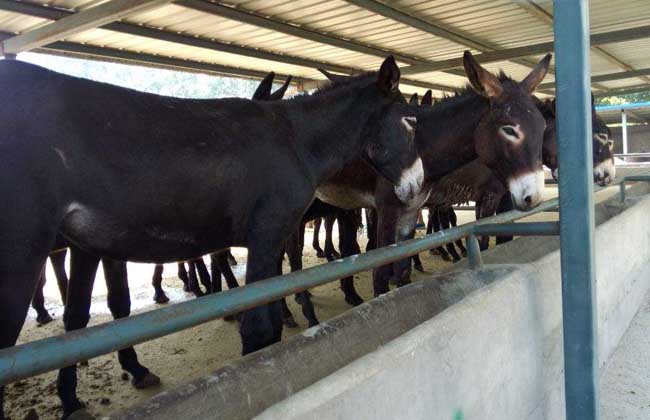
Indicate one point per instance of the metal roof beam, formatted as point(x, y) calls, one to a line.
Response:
point(434, 28)
point(542, 14)
point(251, 18)
point(534, 49)
point(94, 17)
point(254, 19)
point(609, 77)
point(157, 34)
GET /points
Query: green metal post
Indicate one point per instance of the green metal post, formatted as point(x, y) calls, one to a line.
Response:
point(571, 24)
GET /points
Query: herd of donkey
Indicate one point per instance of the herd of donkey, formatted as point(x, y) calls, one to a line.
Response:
point(118, 175)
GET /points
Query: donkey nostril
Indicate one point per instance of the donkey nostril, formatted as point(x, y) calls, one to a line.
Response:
point(528, 200)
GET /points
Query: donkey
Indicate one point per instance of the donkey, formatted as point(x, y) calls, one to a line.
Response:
point(495, 120)
point(134, 176)
point(219, 266)
point(475, 182)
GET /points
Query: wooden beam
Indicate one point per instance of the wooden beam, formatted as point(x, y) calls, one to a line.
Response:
point(94, 17)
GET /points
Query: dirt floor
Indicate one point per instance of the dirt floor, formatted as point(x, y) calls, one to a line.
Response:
point(177, 358)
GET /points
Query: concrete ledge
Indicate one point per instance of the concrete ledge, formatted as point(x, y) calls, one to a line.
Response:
point(487, 344)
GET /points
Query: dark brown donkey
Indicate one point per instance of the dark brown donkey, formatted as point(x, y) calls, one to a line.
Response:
point(219, 261)
point(140, 177)
point(496, 121)
point(475, 182)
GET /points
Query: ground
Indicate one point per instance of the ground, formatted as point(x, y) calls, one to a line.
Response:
point(625, 379)
point(176, 358)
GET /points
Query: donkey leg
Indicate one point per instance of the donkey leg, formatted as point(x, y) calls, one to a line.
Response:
point(330, 251)
point(230, 258)
point(349, 246)
point(287, 317)
point(371, 229)
point(445, 224)
point(182, 274)
point(315, 242)
point(417, 263)
point(262, 326)
point(453, 220)
point(434, 215)
point(295, 261)
point(38, 302)
point(407, 224)
point(119, 302)
point(204, 275)
point(224, 267)
point(83, 267)
point(193, 281)
point(17, 284)
point(159, 295)
point(58, 265)
point(505, 204)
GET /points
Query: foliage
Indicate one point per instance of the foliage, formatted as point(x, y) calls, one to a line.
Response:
point(159, 81)
point(624, 99)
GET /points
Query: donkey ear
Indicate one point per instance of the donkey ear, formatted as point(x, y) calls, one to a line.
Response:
point(610, 144)
point(332, 77)
point(263, 91)
point(536, 76)
point(279, 94)
point(427, 99)
point(483, 82)
point(409, 123)
point(388, 76)
point(414, 99)
point(553, 106)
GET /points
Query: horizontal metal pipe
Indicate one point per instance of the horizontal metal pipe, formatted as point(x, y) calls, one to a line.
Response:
point(40, 356)
point(519, 229)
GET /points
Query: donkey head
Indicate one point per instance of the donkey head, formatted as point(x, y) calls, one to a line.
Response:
point(263, 91)
point(509, 137)
point(603, 149)
point(390, 136)
point(602, 145)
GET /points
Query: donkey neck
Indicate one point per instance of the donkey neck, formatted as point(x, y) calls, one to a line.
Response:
point(329, 128)
point(445, 133)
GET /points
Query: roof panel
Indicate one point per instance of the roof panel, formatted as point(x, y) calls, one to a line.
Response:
point(489, 23)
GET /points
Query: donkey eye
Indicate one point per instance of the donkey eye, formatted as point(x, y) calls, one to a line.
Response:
point(510, 133)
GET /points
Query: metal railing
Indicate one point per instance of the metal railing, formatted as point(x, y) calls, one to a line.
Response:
point(41, 356)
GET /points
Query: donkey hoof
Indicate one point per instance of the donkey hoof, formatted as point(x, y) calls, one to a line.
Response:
point(463, 253)
point(148, 380)
point(445, 257)
point(434, 252)
point(80, 414)
point(161, 299)
point(403, 282)
point(320, 254)
point(355, 300)
point(419, 267)
point(44, 318)
point(83, 363)
point(186, 288)
point(336, 255)
point(289, 322)
point(233, 317)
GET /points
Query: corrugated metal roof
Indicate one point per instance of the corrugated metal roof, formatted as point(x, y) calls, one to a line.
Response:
point(448, 27)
